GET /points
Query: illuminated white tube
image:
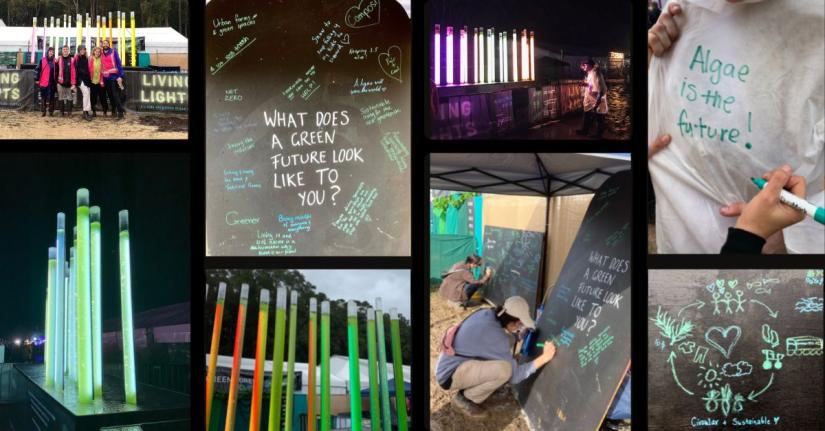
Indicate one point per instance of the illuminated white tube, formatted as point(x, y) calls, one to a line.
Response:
point(481, 55)
point(525, 63)
point(515, 56)
point(532, 57)
point(449, 51)
point(437, 51)
point(463, 55)
point(491, 57)
point(130, 387)
point(475, 55)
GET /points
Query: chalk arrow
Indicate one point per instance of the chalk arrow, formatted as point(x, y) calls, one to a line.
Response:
point(770, 312)
point(672, 358)
point(699, 304)
point(752, 396)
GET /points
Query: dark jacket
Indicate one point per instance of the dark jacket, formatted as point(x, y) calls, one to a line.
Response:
point(46, 73)
point(82, 64)
point(66, 71)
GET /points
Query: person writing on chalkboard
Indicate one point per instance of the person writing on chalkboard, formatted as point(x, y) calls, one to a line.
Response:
point(595, 99)
point(459, 283)
point(477, 354)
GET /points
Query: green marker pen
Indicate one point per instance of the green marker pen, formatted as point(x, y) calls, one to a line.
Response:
point(788, 198)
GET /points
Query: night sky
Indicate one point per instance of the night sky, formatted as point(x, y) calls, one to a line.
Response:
point(601, 25)
point(35, 187)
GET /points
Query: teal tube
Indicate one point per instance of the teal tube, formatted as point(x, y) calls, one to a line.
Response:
point(386, 414)
point(325, 395)
point(375, 397)
point(97, 333)
point(85, 388)
point(129, 383)
point(275, 390)
point(48, 356)
point(290, 359)
point(398, 371)
point(59, 305)
point(354, 371)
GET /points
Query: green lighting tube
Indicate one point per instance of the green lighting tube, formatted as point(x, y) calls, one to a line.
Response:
point(48, 358)
point(375, 406)
point(85, 389)
point(66, 271)
point(386, 414)
point(97, 333)
point(398, 371)
point(354, 372)
point(59, 305)
point(312, 369)
point(275, 389)
point(290, 359)
point(71, 320)
point(130, 386)
point(325, 395)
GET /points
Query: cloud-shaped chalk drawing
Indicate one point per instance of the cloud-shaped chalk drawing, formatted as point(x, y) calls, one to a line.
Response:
point(739, 369)
point(812, 304)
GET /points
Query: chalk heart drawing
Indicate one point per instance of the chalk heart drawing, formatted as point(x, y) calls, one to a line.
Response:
point(390, 62)
point(723, 339)
point(732, 283)
point(364, 15)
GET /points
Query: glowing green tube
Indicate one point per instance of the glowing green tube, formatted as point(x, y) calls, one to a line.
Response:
point(312, 398)
point(354, 372)
point(277, 361)
point(97, 334)
point(260, 358)
point(213, 351)
point(325, 395)
point(126, 310)
point(386, 414)
point(290, 359)
point(71, 320)
point(48, 358)
point(59, 303)
point(237, 355)
point(66, 271)
point(398, 371)
point(375, 407)
point(85, 388)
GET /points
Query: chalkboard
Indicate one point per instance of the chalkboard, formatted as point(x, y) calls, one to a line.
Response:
point(515, 257)
point(736, 349)
point(587, 315)
point(308, 128)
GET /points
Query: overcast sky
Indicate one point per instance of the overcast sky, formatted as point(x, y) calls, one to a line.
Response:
point(392, 285)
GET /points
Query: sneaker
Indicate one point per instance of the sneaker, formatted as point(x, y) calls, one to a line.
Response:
point(467, 407)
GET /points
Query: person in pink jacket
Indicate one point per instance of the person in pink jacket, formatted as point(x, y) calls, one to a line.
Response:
point(46, 75)
point(66, 78)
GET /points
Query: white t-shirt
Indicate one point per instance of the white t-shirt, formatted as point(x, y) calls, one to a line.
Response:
point(741, 92)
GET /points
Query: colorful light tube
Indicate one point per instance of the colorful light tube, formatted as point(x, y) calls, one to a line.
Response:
point(33, 44)
point(48, 357)
point(375, 403)
point(237, 355)
point(525, 62)
point(134, 41)
point(260, 359)
point(130, 387)
point(386, 413)
point(481, 66)
point(60, 303)
point(110, 30)
point(515, 56)
point(325, 377)
point(491, 57)
point(88, 35)
point(449, 50)
point(354, 367)
point(437, 57)
point(71, 311)
point(397, 367)
point(213, 350)
point(85, 382)
point(275, 388)
point(290, 359)
point(96, 330)
point(79, 25)
point(97, 30)
point(312, 397)
point(532, 56)
point(475, 55)
point(463, 55)
point(501, 76)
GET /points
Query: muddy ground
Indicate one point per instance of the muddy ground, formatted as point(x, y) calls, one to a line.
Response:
point(30, 125)
point(503, 412)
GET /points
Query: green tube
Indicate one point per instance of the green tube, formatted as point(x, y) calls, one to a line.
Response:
point(66, 271)
point(85, 388)
point(398, 371)
point(71, 310)
point(275, 390)
point(375, 406)
point(59, 303)
point(130, 387)
point(386, 414)
point(290, 359)
point(354, 372)
point(97, 335)
point(325, 395)
point(48, 356)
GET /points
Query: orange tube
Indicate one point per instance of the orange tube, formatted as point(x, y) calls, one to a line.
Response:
point(213, 351)
point(260, 359)
point(232, 402)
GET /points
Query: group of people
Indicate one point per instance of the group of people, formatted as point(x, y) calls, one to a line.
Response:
point(98, 76)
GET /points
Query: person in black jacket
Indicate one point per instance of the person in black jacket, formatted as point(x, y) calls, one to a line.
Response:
point(84, 81)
